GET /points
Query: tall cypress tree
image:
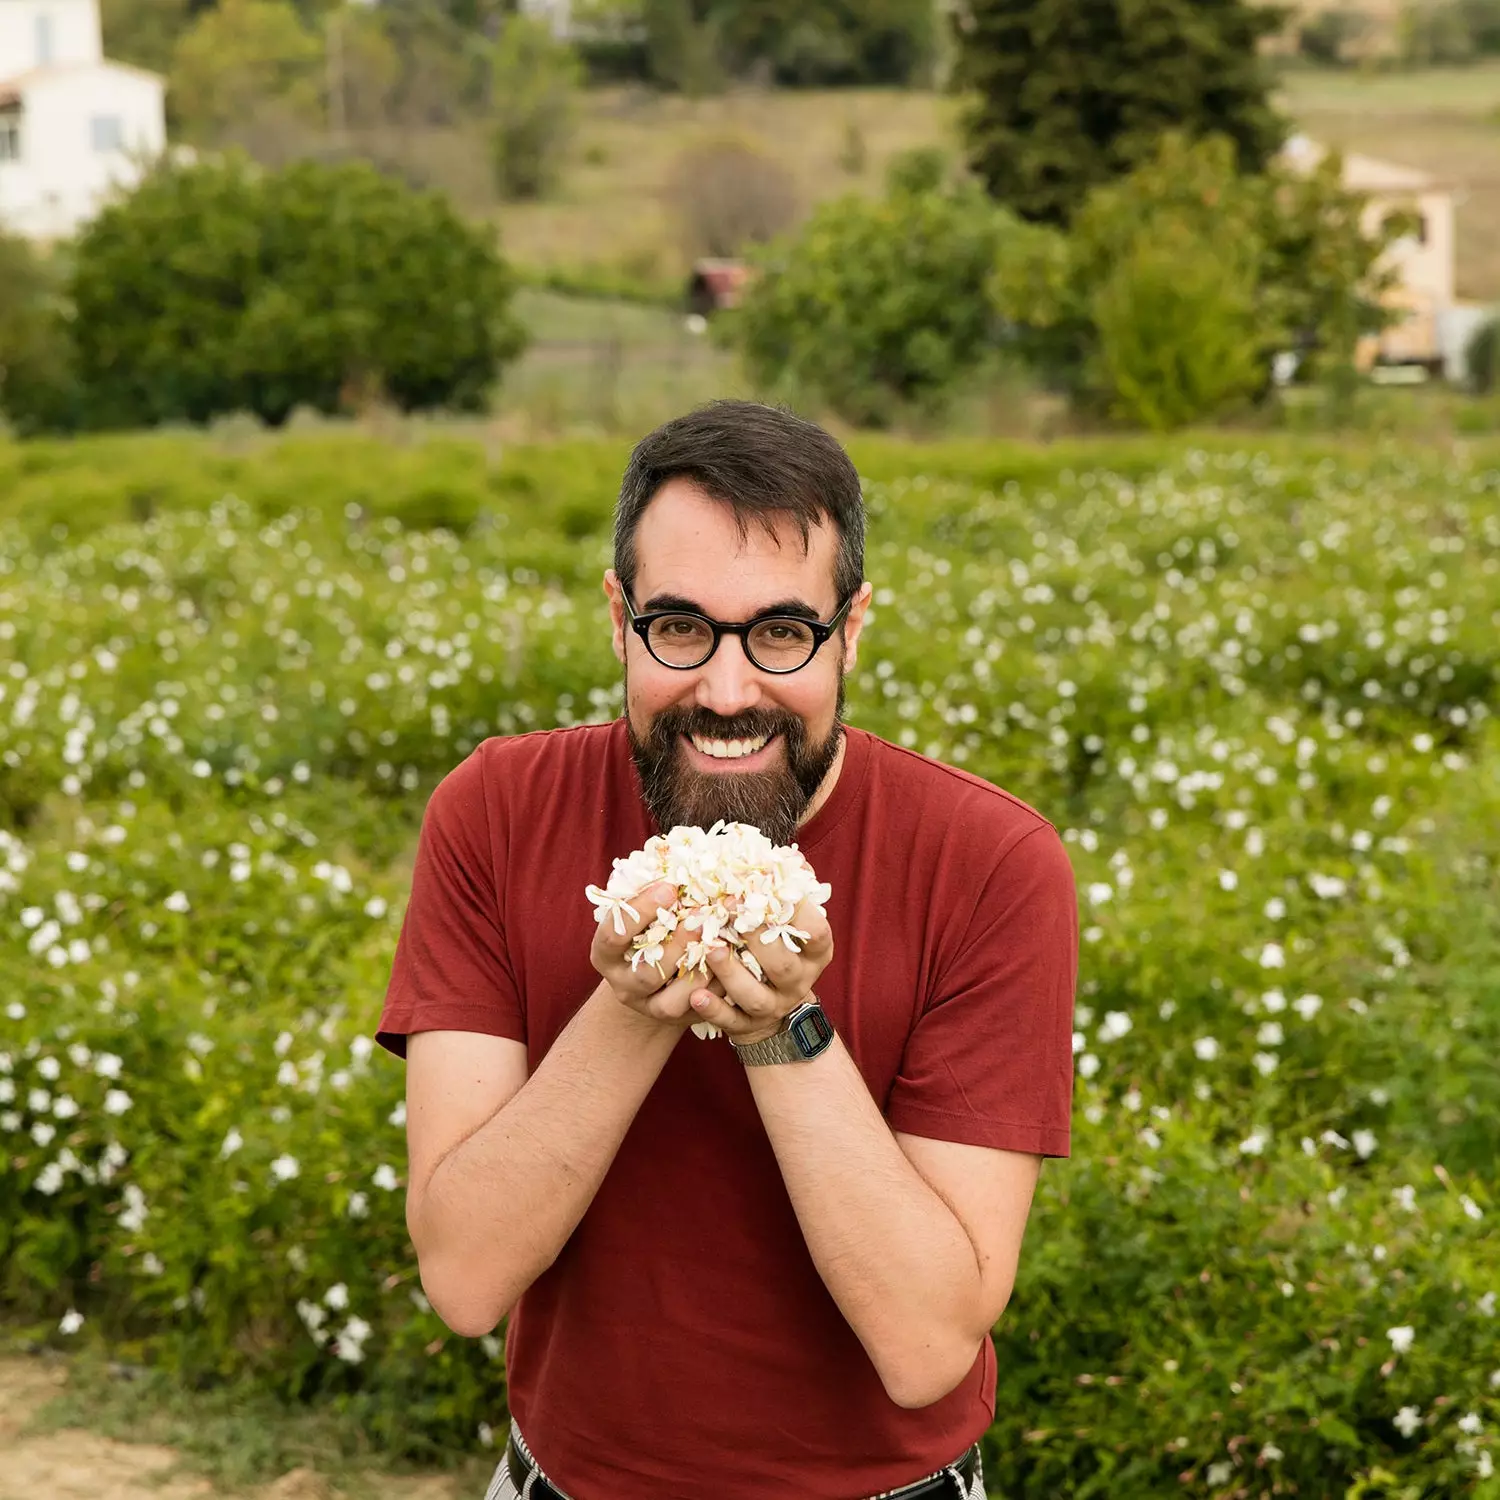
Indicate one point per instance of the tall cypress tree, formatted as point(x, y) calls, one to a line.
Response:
point(1069, 93)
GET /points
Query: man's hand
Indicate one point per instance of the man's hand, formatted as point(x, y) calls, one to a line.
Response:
point(652, 991)
point(749, 1009)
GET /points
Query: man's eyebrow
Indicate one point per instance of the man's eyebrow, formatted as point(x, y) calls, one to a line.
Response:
point(797, 607)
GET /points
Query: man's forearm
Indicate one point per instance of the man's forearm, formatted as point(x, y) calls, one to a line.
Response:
point(501, 1205)
point(892, 1254)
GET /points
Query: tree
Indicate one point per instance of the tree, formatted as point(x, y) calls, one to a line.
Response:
point(243, 63)
point(220, 287)
point(1064, 96)
point(535, 109)
point(876, 304)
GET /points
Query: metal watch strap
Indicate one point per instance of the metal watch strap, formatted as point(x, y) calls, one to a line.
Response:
point(782, 1047)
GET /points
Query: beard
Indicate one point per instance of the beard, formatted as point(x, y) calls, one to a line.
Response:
point(772, 801)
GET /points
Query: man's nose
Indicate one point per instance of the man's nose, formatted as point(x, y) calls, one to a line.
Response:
point(728, 682)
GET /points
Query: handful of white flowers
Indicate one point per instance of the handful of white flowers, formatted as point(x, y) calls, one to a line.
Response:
point(730, 881)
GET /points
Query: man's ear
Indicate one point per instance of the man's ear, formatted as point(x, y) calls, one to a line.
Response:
point(615, 594)
point(854, 623)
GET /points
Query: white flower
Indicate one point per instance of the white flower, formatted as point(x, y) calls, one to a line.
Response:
point(1486, 1305)
point(1406, 1197)
point(71, 1322)
point(1099, 892)
point(1470, 1207)
point(116, 1102)
point(42, 1133)
point(1219, 1473)
point(1307, 1006)
point(1365, 1142)
point(48, 1181)
point(337, 1297)
point(729, 881)
point(1270, 1453)
point(398, 1115)
point(350, 1342)
point(232, 1142)
point(1205, 1049)
point(385, 1177)
point(1228, 880)
point(1333, 1138)
point(1254, 1144)
point(107, 1065)
point(1088, 1065)
point(49, 1068)
point(1272, 956)
point(375, 906)
point(1270, 1034)
point(1470, 1422)
point(177, 901)
point(486, 1435)
point(1266, 1063)
point(284, 1168)
point(1407, 1420)
point(1116, 1024)
point(359, 1206)
point(1401, 1338)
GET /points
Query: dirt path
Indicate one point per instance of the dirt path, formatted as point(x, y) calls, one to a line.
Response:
point(74, 1464)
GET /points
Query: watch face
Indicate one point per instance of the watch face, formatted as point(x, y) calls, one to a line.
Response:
point(810, 1031)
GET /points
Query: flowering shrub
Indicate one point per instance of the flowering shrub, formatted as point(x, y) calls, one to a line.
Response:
point(1254, 687)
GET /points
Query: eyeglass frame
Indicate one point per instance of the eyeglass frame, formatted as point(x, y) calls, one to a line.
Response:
point(821, 631)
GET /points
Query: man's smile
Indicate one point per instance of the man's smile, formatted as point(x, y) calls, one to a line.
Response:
point(705, 753)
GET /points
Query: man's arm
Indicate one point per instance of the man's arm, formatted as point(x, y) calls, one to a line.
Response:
point(917, 1240)
point(502, 1166)
point(490, 1207)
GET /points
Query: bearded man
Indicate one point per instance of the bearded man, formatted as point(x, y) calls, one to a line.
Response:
point(767, 1266)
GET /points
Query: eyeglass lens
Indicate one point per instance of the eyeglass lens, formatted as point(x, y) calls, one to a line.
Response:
point(776, 645)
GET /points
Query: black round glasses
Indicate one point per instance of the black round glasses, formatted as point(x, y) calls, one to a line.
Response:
point(684, 639)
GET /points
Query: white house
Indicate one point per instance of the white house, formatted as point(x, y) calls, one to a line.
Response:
point(73, 127)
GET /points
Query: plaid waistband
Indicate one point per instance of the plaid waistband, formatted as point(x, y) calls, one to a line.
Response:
point(959, 1480)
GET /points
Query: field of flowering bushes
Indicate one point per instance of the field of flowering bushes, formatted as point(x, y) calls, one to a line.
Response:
point(1256, 684)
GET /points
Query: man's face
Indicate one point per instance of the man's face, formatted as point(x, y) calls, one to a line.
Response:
point(691, 556)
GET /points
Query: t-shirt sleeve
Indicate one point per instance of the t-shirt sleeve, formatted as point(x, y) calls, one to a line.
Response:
point(990, 1060)
point(451, 971)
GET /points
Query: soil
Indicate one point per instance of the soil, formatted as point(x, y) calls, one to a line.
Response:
point(75, 1464)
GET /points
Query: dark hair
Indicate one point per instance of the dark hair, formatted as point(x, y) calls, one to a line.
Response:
point(764, 462)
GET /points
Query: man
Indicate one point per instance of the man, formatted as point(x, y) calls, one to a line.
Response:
point(767, 1265)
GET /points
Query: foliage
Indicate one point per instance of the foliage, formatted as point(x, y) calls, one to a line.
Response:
point(1482, 356)
point(36, 384)
point(728, 195)
point(1178, 335)
point(1299, 272)
point(874, 305)
point(1064, 97)
point(534, 87)
point(1435, 34)
point(1330, 37)
point(240, 61)
point(1255, 688)
point(219, 288)
point(143, 32)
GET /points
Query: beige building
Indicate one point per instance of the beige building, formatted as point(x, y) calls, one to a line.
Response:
point(1425, 288)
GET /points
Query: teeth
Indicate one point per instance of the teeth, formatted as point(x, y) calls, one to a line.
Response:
point(729, 749)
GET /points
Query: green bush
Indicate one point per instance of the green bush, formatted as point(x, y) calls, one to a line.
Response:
point(1482, 357)
point(1177, 328)
point(534, 88)
point(220, 288)
point(874, 306)
point(1435, 33)
point(37, 388)
point(1255, 686)
point(1298, 272)
point(1330, 37)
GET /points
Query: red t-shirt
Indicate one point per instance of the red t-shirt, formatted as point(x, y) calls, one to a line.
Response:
point(683, 1342)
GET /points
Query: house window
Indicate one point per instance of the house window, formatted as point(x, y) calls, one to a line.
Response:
point(43, 41)
point(107, 132)
point(10, 136)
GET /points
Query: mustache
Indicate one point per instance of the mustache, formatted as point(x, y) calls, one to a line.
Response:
point(706, 724)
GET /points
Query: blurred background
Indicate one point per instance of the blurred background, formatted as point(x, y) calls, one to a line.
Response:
point(1163, 335)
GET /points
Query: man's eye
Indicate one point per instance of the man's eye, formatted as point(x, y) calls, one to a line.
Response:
point(681, 628)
